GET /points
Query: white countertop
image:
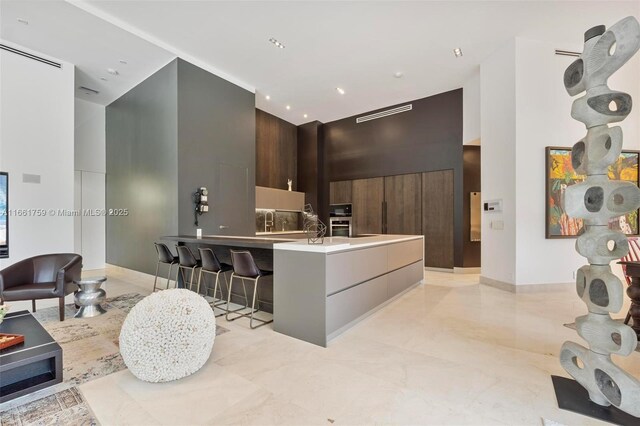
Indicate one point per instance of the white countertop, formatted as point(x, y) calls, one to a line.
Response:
point(279, 233)
point(337, 244)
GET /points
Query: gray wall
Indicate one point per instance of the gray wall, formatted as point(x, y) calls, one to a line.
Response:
point(142, 154)
point(216, 140)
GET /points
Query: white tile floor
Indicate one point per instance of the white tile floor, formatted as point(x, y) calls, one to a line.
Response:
point(448, 352)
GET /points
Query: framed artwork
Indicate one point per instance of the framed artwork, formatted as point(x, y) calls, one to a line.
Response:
point(560, 175)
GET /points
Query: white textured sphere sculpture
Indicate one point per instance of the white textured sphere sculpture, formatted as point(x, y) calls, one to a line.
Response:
point(168, 335)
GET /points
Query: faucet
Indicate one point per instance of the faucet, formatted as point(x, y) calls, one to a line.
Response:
point(268, 223)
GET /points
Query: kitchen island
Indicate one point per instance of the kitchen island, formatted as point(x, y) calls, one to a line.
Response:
point(321, 290)
point(318, 291)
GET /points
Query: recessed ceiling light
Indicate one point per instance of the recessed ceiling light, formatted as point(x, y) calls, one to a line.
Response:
point(340, 90)
point(123, 62)
point(112, 71)
point(398, 74)
point(305, 116)
point(288, 107)
point(276, 43)
point(23, 21)
point(267, 97)
point(103, 79)
point(458, 52)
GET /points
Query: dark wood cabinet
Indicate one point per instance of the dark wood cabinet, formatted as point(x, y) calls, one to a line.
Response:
point(367, 196)
point(340, 192)
point(403, 204)
point(276, 151)
point(437, 218)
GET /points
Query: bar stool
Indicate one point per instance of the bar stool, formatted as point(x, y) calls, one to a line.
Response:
point(211, 265)
point(164, 256)
point(189, 262)
point(245, 268)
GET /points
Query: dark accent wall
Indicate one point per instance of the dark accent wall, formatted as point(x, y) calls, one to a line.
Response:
point(276, 151)
point(216, 141)
point(311, 168)
point(427, 138)
point(180, 129)
point(471, 161)
point(142, 172)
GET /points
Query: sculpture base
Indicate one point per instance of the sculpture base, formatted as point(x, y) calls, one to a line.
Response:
point(572, 396)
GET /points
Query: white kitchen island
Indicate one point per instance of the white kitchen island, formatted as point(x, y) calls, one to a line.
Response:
point(321, 290)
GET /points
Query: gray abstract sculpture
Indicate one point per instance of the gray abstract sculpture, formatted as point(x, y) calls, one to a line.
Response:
point(313, 227)
point(596, 200)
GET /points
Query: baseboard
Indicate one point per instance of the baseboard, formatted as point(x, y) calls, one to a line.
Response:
point(524, 288)
point(468, 270)
point(431, 268)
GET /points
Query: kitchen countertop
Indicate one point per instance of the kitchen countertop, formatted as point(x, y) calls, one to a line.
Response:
point(227, 240)
point(338, 244)
point(260, 234)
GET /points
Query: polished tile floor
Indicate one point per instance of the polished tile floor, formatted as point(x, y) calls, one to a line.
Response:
point(450, 351)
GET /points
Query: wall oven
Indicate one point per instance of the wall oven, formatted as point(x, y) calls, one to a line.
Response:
point(340, 220)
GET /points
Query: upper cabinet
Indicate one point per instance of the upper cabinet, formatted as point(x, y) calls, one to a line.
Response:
point(278, 199)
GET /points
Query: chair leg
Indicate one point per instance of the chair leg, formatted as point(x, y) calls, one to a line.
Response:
point(199, 279)
point(33, 305)
point(61, 308)
point(155, 280)
point(626, 320)
point(229, 299)
point(169, 275)
point(255, 294)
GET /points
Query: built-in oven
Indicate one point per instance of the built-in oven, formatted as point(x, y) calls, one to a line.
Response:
point(340, 227)
point(340, 210)
point(340, 220)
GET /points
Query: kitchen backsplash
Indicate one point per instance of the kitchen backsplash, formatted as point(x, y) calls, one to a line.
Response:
point(282, 221)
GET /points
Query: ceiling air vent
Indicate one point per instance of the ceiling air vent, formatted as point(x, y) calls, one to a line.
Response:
point(88, 91)
point(30, 56)
point(566, 53)
point(386, 113)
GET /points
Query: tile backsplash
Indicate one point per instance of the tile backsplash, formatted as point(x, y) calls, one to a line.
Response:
point(282, 220)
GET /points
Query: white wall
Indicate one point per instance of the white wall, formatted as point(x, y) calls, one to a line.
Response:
point(498, 134)
point(90, 169)
point(532, 74)
point(471, 110)
point(36, 137)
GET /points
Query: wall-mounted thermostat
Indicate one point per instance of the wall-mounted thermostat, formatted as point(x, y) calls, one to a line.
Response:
point(493, 206)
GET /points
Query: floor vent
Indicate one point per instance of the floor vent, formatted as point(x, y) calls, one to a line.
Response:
point(386, 113)
point(30, 56)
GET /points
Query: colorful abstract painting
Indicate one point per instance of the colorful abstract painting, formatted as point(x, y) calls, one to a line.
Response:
point(560, 175)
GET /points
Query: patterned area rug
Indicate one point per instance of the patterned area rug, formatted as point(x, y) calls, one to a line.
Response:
point(66, 407)
point(90, 351)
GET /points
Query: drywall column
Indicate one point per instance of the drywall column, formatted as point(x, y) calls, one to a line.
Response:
point(471, 110)
point(36, 138)
point(498, 172)
point(90, 174)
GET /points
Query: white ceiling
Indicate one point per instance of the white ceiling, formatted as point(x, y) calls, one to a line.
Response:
point(356, 45)
point(61, 30)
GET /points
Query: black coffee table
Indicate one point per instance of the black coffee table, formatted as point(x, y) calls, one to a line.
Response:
point(29, 366)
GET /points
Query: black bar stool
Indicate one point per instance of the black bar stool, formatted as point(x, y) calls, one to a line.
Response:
point(189, 262)
point(245, 268)
point(164, 256)
point(211, 265)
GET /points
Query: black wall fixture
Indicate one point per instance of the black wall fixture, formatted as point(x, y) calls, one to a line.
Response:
point(201, 200)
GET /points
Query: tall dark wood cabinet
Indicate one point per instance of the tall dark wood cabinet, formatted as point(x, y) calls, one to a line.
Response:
point(403, 204)
point(367, 196)
point(437, 218)
point(340, 192)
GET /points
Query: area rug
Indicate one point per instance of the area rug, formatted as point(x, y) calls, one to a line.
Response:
point(90, 345)
point(572, 325)
point(65, 407)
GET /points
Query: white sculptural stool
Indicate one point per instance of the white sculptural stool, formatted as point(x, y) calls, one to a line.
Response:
point(168, 335)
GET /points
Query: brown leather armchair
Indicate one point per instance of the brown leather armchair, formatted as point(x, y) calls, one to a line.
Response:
point(41, 277)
